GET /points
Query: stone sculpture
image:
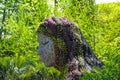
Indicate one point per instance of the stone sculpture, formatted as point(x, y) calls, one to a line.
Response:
point(63, 46)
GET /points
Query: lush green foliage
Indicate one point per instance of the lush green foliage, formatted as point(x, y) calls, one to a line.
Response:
point(18, 39)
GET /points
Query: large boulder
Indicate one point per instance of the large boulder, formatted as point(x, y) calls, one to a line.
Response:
point(63, 46)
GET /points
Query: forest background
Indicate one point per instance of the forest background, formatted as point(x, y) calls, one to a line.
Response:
point(19, 19)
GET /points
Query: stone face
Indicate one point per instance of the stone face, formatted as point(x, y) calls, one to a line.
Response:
point(63, 45)
point(46, 50)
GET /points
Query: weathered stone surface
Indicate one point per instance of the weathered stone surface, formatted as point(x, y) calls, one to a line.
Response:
point(46, 50)
point(62, 43)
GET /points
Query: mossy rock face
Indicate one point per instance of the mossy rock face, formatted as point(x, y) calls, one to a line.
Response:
point(57, 33)
point(62, 43)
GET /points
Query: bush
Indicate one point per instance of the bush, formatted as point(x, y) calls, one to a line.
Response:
point(18, 38)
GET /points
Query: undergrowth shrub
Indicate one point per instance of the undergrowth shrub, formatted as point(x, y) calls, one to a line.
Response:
point(18, 38)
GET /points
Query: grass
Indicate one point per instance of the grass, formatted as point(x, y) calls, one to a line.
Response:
point(18, 38)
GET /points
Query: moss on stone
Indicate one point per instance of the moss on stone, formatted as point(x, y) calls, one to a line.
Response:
point(70, 45)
